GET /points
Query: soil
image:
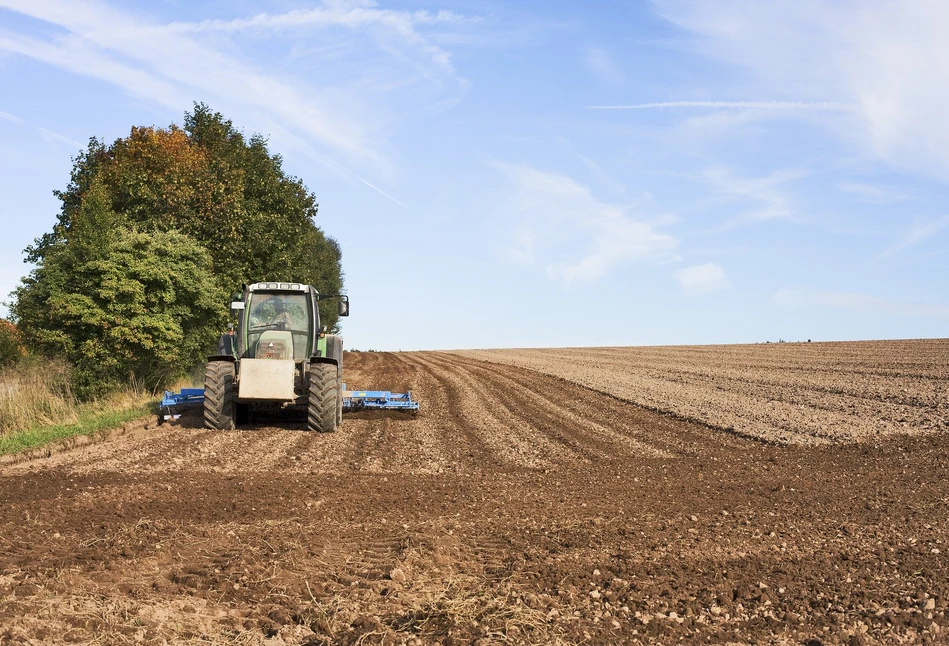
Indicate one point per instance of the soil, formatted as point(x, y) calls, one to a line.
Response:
point(516, 507)
point(788, 393)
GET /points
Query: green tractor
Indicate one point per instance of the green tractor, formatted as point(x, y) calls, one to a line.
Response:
point(278, 355)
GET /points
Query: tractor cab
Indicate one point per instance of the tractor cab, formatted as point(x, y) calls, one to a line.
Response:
point(279, 325)
point(280, 321)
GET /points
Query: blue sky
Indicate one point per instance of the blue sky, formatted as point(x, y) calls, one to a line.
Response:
point(542, 173)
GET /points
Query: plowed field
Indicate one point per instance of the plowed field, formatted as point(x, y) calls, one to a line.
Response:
point(788, 393)
point(516, 507)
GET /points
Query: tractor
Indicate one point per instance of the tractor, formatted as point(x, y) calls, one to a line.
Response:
point(279, 355)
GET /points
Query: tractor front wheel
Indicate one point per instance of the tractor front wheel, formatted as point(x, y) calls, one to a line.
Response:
point(324, 401)
point(219, 406)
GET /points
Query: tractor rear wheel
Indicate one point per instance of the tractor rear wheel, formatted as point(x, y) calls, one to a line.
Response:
point(324, 400)
point(219, 408)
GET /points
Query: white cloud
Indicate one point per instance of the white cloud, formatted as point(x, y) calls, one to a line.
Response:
point(343, 107)
point(559, 224)
point(871, 193)
point(890, 60)
point(807, 298)
point(603, 66)
point(701, 279)
point(400, 28)
point(744, 105)
point(770, 200)
point(917, 233)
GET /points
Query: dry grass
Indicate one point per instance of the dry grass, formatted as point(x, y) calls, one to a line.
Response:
point(478, 609)
point(37, 407)
point(34, 393)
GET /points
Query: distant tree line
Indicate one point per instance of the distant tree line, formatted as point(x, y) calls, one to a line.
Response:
point(155, 232)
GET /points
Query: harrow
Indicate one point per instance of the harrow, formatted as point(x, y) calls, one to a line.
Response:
point(173, 403)
point(378, 399)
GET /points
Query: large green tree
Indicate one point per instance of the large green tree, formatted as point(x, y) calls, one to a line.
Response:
point(119, 304)
point(155, 230)
point(210, 182)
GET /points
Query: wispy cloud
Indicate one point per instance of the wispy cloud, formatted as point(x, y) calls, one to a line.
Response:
point(10, 117)
point(354, 15)
point(341, 108)
point(52, 138)
point(916, 234)
point(888, 60)
point(807, 298)
point(743, 105)
point(603, 65)
point(871, 193)
point(766, 193)
point(701, 279)
point(558, 223)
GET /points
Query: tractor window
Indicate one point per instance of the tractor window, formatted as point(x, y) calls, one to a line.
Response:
point(280, 312)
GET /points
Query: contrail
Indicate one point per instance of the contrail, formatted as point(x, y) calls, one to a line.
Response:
point(376, 188)
point(10, 117)
point(49, 135)
point(755, 105)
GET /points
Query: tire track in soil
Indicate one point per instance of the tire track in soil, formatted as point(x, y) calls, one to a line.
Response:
point(405, 442)
point(492, 434)
point(452, 407)
point(517, 392)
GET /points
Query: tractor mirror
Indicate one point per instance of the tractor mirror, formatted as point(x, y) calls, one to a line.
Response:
point(344, 307)
point(237, 305)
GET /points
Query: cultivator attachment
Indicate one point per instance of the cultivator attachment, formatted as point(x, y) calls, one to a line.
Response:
point(378, 399)
point(173, 403)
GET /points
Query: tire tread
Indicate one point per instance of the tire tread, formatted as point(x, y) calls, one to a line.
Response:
point(219, 405)
point(322, 415)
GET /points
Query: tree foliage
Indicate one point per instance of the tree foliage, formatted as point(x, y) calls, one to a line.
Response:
point(120, 304)
point(11, 347)
point(155, 230)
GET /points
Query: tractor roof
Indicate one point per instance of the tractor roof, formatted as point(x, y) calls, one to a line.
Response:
point(280, 287)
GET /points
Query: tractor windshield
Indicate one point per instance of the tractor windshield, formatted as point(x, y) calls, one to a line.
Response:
point(279, 312)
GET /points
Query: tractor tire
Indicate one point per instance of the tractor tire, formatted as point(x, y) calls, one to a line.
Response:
point(322, 411)
point(219, 406)
point(334, 350)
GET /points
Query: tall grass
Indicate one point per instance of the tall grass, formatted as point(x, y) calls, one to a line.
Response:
point(37, 406)
point(35, 393)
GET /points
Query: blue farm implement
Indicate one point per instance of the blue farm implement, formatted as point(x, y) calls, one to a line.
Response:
point(378, 399)
point(172, 403)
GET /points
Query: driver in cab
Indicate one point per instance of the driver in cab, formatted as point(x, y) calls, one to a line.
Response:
point(281, 319)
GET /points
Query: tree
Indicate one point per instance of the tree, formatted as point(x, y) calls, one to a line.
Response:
point(209, 182)
point(154, 232)
point(11, 348)
point(119, 304)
